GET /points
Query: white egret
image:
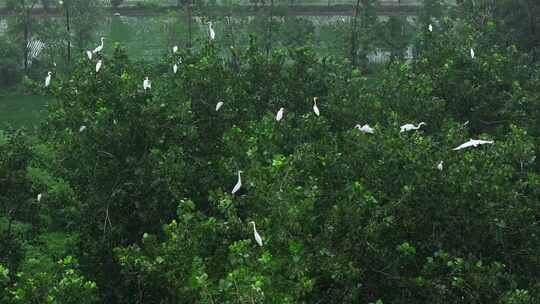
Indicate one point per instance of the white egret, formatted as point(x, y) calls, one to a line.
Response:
point(211, 31)
point(82, 128)
point(256, 235)
point(98, 66)
point(48, 79)
point(147, 84)
point(175, 68)
point(440, 166)
point(89, 55)
point(430, 28)
point(99, 48)
point(219, 105)
point(365, 129)
point(175, 49)
point(410, 127)
point(315, 108)
point(238, 183)
point(472, 53)
point(473, 143)
point(279, 114)
point(39, 197)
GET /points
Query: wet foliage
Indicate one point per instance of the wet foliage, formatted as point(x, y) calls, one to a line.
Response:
point(124, 194)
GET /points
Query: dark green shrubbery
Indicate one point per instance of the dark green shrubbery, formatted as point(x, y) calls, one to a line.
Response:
point(9, 74)
point(141, 195)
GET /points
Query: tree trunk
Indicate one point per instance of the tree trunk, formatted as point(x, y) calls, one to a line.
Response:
point(271, 17)
point(68, 32)
point(26, 39)
point(532, 28)
point(190, 25)
point(354, 35)
point(233, 45)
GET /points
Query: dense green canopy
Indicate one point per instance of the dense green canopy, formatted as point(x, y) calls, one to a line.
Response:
point(123, 195)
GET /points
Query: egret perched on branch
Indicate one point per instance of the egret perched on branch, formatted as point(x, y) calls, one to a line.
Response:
point(365, 128)
point(175, 49)
point(440, 166)
point(147, 84)
point(211, 31)
point(279, 114)
point(430, 27)
point(256, 235)
point(100, 47)
point(315, 108)
point(89, 55)
point(39, 197)
point(82, 128)
point(410, 127)
point(175, 68)
point(472, 53)
point(48, 79)
point(473, 143)
point(98, 66)
point(219, 105)
point(238, 183)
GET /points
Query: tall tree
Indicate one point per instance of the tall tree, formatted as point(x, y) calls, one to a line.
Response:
point(82, 19)
point(66, 4)
point(363, 21)
point(516, 21)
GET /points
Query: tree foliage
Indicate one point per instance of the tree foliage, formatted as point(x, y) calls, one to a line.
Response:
point(136, 183)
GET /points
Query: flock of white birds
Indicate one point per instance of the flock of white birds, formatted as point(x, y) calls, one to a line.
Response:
point(147, 84)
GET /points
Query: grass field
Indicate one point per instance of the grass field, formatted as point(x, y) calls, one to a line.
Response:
point(19, 111)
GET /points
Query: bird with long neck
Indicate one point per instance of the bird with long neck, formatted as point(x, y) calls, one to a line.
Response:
point(256, 234)
point(315, 108)
point(48, 79)
point(238, 183)
point(410, 127)
point(100, 47)
point(365, 129)
point(211, 32)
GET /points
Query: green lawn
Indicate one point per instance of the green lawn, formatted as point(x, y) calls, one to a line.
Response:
point(20, 111)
